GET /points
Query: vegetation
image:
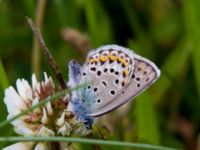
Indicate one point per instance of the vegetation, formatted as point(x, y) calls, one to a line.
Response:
point(165, 31)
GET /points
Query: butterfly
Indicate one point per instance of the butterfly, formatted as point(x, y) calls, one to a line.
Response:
point(115, 76)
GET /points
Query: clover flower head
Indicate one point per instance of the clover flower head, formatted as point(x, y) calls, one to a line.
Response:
point(35, 122)
point(52, 119)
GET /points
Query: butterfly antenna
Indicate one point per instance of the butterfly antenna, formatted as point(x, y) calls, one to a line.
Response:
point(47, 53)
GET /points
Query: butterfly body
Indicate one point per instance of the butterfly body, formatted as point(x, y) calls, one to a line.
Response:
point(115, 75)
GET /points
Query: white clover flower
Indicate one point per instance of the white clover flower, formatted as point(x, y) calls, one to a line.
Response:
point(35, 122)
point(29, 146)
point(54, 118)
point(21, 146)
point(68, 125)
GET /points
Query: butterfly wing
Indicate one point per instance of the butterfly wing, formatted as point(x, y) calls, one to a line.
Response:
point(109, 70)
point(145, 73)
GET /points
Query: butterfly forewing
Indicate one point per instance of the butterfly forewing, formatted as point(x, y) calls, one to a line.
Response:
point(109, 69)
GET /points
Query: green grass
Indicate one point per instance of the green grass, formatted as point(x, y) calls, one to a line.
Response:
point(167, 32)
point(86, 141)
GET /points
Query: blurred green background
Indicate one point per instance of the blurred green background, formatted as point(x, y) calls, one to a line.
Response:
point(165, 31)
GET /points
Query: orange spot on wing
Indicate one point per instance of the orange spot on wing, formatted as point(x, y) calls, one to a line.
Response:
point(93, 60)
point(119, 59)
point(103, 58)
point(125, 73)
point(122, 61)
point(112, 58)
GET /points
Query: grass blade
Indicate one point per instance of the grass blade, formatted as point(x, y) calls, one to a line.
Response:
point(147, 126)
point(191, 18)
point(85, 141)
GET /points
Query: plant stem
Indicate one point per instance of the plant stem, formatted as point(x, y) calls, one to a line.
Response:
point(86, 141)
point(47, 53)
point(35, 49)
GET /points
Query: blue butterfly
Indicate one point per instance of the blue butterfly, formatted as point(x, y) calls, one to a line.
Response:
point(115, 75)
